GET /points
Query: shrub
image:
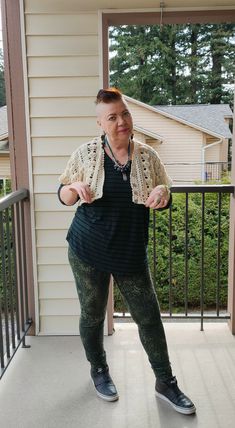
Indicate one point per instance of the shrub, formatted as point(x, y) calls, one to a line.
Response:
point(194, 256)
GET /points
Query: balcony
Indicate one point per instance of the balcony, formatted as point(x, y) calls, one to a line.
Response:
point(48, 385)
point(47, 382)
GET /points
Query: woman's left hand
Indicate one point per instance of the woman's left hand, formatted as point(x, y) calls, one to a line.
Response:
point(158, 198)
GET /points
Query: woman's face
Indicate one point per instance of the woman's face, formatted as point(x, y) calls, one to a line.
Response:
point(115, 120)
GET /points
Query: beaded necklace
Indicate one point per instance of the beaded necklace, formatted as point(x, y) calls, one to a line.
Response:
point(123, 168)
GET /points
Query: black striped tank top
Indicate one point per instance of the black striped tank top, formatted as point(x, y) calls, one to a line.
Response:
point(111, 233)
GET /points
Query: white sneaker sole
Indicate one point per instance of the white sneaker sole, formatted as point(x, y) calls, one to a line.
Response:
point(179, 409)
point(106, 397)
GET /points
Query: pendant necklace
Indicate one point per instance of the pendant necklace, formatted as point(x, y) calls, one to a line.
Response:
point(117, 165)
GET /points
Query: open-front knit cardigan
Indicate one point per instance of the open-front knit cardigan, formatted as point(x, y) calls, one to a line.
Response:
point(87, 164)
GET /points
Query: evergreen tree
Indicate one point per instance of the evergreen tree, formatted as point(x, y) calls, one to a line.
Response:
point(175, 64)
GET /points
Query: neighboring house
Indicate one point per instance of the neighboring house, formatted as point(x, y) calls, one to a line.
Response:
point(192, 140)
point(4, 145)
point(5, 172)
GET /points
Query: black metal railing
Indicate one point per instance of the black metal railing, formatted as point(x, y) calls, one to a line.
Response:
point(14, 311)
point(214, 170)
point(211, 220)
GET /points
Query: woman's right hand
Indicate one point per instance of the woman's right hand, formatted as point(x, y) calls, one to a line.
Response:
point(82, 190)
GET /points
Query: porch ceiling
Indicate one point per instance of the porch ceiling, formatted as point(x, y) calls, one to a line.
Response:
point(79, 5)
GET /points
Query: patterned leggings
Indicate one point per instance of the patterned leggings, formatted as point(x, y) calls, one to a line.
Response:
point(93, 287)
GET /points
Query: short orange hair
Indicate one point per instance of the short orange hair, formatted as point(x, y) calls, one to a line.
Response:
point(108, 96)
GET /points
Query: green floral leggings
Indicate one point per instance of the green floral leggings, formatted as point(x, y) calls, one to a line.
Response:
point(93, 287)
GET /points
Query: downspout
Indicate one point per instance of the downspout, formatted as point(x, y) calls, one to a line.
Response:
point(203, 156)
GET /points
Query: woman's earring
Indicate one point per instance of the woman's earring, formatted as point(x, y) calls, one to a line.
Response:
point(132, 136)
point(103, 139)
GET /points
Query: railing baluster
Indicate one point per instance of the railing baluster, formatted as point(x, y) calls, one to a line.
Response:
point(10, 282)
point(14, 216)
point(4, 277)
point(170, 261)
point(186, 255)
point(21, 290)
point(202, 260)
point(19, 267)
point(27, 320)
point(218, 255)
point(154, 247)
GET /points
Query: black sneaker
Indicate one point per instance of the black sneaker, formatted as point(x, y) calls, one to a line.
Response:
point(170, 392)
point(104, 385)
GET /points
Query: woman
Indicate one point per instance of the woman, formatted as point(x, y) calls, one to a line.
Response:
point(116, 180)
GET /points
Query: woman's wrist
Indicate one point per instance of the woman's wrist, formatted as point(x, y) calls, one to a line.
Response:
point(166, 189)
point(72, 189)
point(69, 194)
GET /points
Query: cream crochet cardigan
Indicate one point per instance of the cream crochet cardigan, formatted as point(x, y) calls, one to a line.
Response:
point(87, 164)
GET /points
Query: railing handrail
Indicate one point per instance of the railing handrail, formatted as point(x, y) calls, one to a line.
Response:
point(12, 198)
point(199, 188)
point(196, 163)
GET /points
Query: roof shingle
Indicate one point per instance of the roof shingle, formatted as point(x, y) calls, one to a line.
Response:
point(211, 117)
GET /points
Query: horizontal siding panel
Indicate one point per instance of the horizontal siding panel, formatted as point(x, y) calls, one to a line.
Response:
point(61, 325)
point(63, 87)
point(47, 127)
point(62, 107)
point(185, 176)
point(56, 146)
point(5, 171)
point(47, 273)
point(47, 203)
point(178, 152)
point(52, 255)
point(57, 290)
point(59, 307)
point(66, 24)
point(45, 183)
point(49, 238)
point(62, 45)
point(49, 165)
point(213, 153)
point(58, 6)
point(54, 220)
point(63, 66)
point(159, 123)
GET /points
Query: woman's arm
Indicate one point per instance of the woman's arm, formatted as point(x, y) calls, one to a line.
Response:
point(70, 193)
point(67, 195)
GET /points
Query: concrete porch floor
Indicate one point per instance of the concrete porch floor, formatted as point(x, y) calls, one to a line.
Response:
point(48, 385)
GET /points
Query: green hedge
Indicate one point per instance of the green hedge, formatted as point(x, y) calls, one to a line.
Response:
point(194, 253)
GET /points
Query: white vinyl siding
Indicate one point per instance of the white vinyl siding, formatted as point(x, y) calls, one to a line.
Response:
point(5, 171)
point(182, 145)
point(63, 78)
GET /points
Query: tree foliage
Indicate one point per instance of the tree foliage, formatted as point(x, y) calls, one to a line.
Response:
point(175, 64)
